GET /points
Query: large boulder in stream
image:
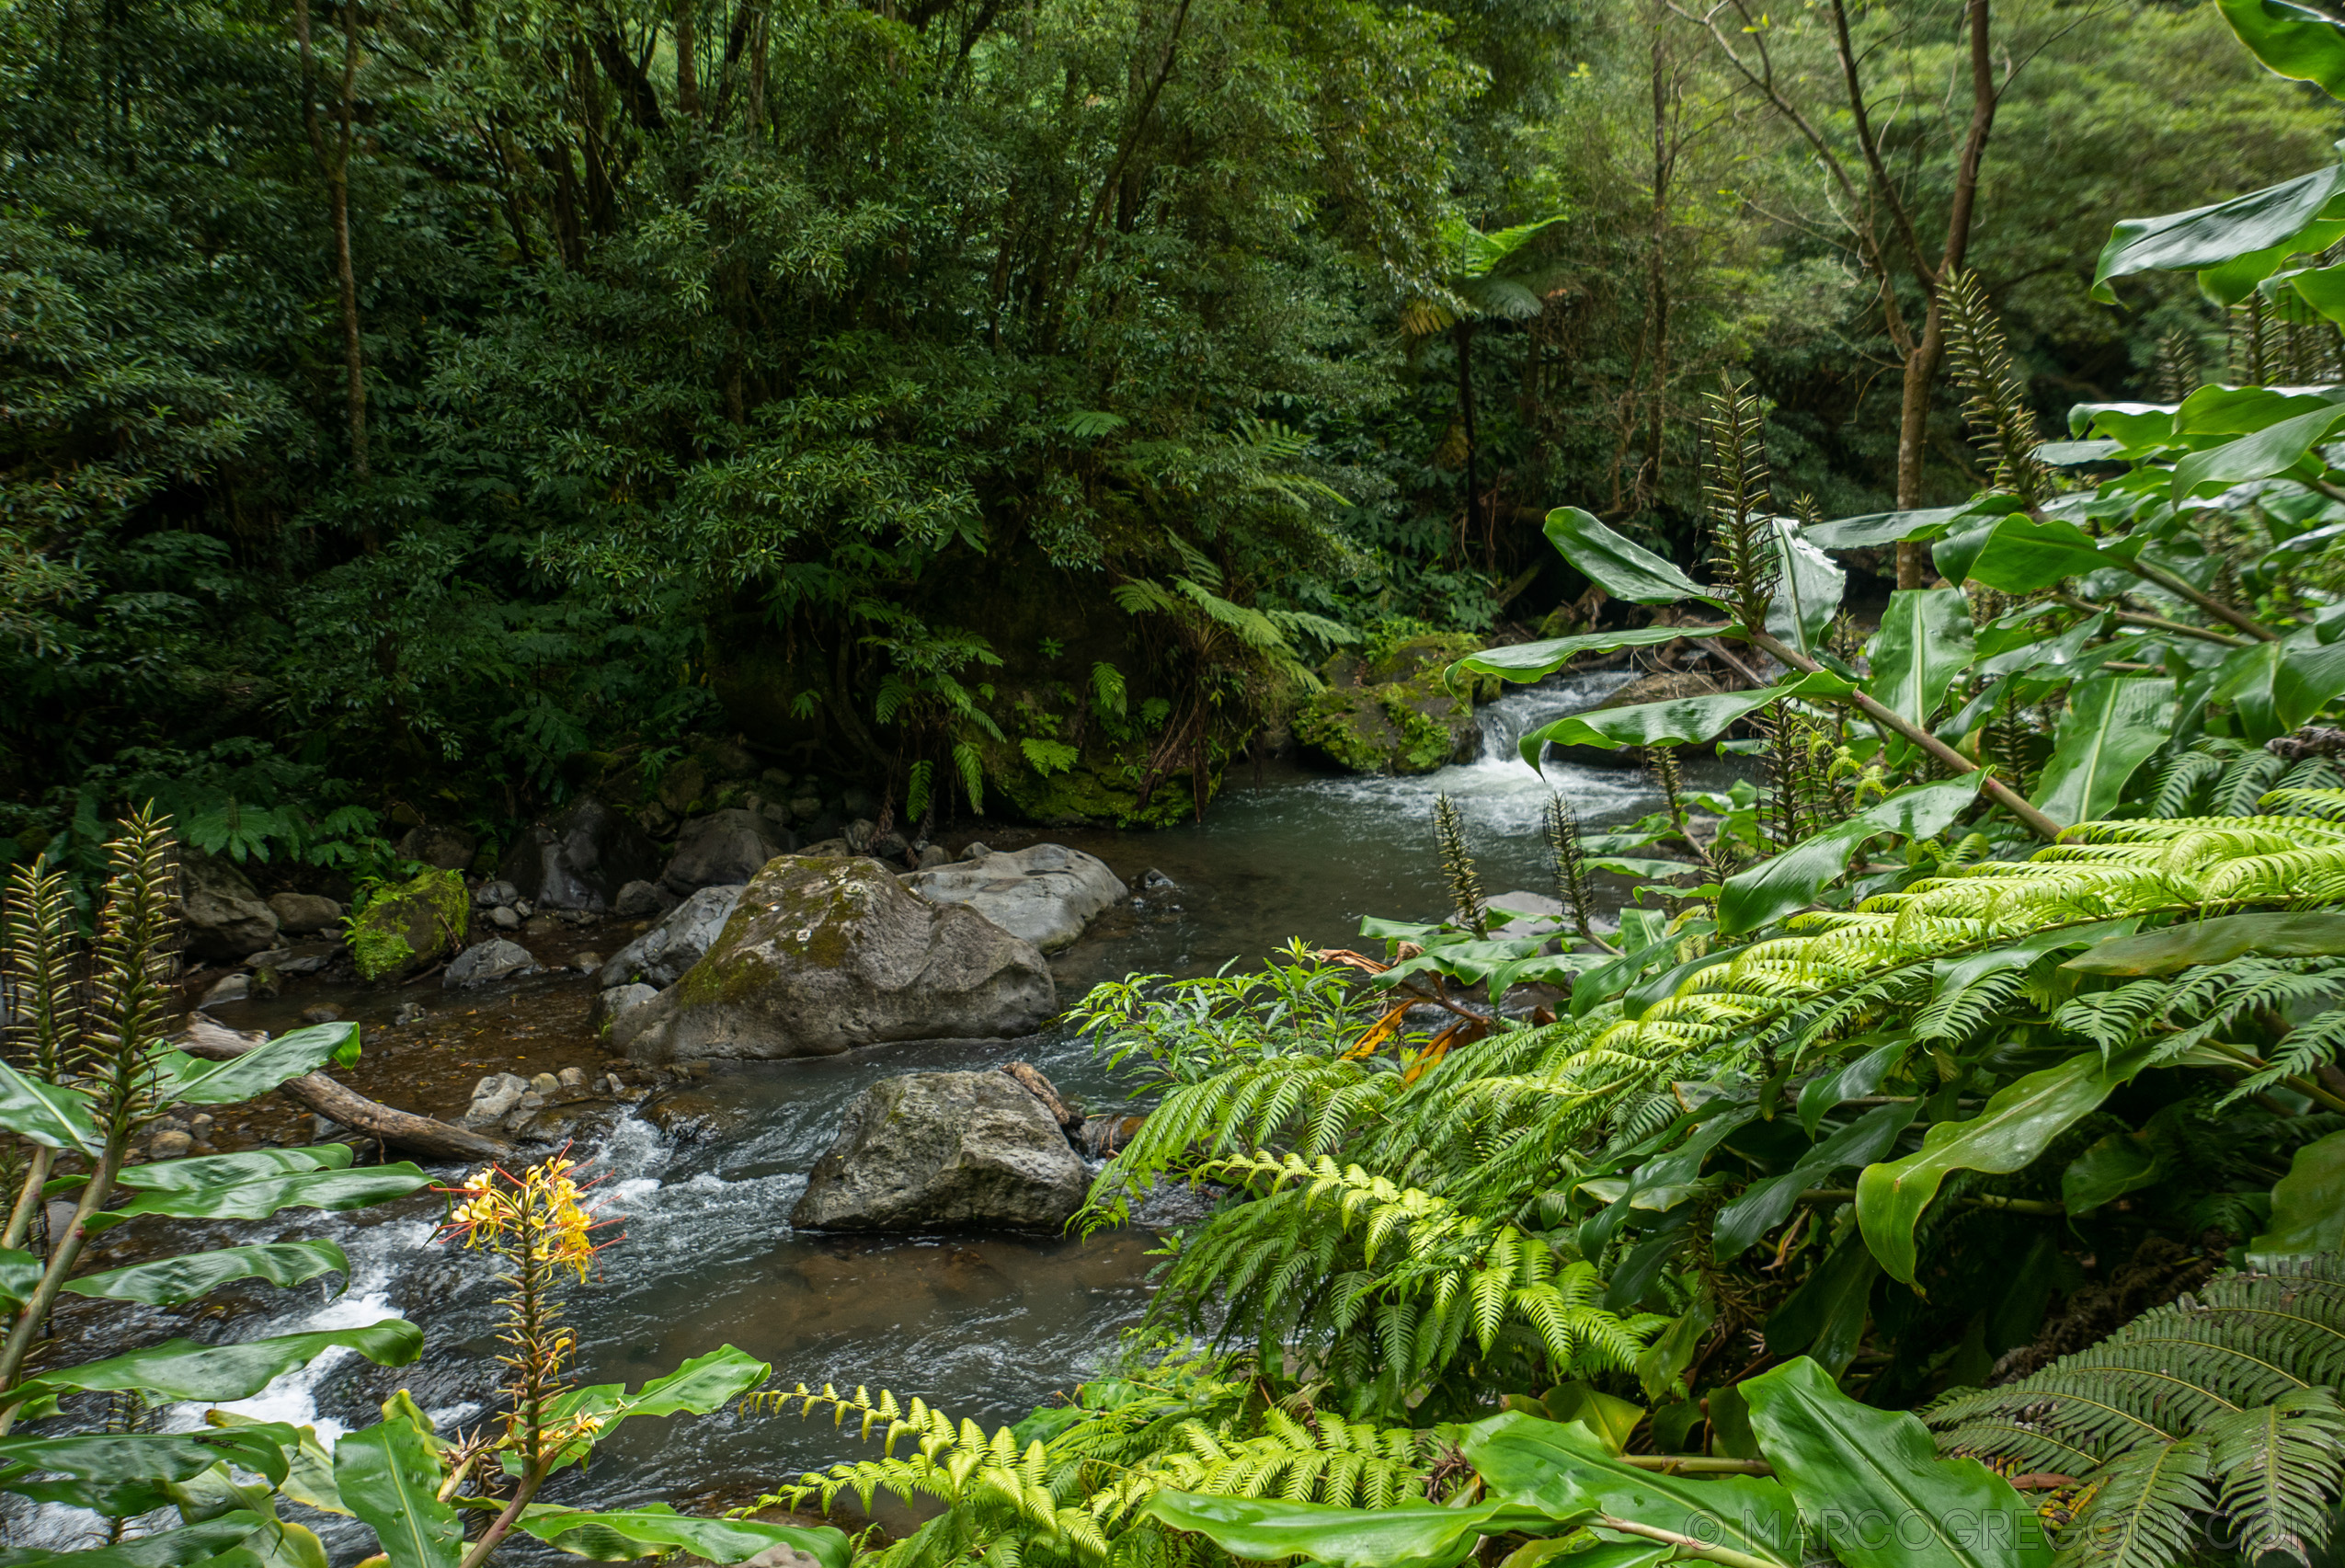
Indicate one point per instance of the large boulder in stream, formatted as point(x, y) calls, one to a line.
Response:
point(824, 954)
point(1396, 713)
point(1045, 894)
point(660, 955)
point(579, 858)
point(939, 1150)
point(404, 930)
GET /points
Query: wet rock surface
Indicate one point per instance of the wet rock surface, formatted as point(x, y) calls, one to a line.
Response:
point(224, 917)
point(941, 1150)
point(824, 954)
point(660, 955)
point(1046, 894)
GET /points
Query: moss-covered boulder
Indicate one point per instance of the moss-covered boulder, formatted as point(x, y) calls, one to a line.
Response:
point(823, 953)
point(1393, 712)
point(405, 929)
point(1060, 786)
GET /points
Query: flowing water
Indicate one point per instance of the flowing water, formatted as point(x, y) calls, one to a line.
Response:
point(981, 1326)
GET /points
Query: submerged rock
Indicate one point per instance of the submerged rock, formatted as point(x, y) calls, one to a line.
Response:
point(660, 955)
point(408, 928)
point(1396, 714)
point(579, 858)
point(932, 1150)
point(224, 917)
point(823, 955)
point(1046, 894)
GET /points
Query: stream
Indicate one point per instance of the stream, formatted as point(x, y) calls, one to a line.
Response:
point(983, 1326)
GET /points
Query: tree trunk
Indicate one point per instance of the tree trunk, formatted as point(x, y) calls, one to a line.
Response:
point(336, 169)
point(1465, 330)
point(402, 1130)
point(687, 66)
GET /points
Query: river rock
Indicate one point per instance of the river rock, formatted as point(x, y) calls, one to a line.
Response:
point(228, 988)
point(495, 959)
point(411, 927)
point(496, 894)
point(688, 1114)
point(503, 917)
point(825, 955)
point(1045, 894)
point(300, 914)
point(443, 849)
point(579, 858)
point(931, 1150)
point(637, 899)
point(224, 917)
point(723, 849)
point(1396, 713)
point(660, 955)
point(494, 1097)
point(609, 1002)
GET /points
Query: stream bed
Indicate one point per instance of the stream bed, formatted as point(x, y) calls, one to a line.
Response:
point(984, 1326)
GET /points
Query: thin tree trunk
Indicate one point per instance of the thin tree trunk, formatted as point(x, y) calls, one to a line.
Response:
point(687, 66)
point(1465, 331)
point(335, 167)
point(1657, 280)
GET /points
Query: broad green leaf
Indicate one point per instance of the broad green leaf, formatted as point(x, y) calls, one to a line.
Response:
point(166, 1282)
point(1685, 721)
point(2307, 1205)
point(2107, 1169)
point(2273, 450)
point(699, 1386)
point(49, 1115)
point(2218, 941)
point(2323, 288)
point(163, 1548)
point(283, 1545)
point(212, 1374)
point(2020, 555)
point(310, 1481)
point(20, 1275)
point(2309, 680)
point(1791, 880)
point(2244, 680)
point(1567, 1473)
point(2293, 41)
point(1622, 569)
point(1871, 1483)
point(1923, 644)
point(257, 1199)
point(1807, 590)
point(1766, 1204)
point(2108, 729)
point(110, 1473)
point(1419, 1535)
point(2261, 222)
point(2016, 1124)
point(1882, 528)
point(1858, 1078)
point(221, 1170)
point(1536, 661)
point(181, 1077)
point(390, 1478)
point(656, 1530)
point(1611, 1419)
point(1826, 1315)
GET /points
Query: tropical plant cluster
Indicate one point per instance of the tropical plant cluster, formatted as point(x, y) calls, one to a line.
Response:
point(1939, 1158)
point(411, 408)
point(138, 1440)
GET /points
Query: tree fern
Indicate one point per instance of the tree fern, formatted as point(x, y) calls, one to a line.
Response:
point(2220, 1402)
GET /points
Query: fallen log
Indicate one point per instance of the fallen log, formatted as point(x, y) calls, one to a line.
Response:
point(402, 1130)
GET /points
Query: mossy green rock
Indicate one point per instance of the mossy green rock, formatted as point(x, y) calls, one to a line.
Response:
point(1394, 713)
point(408, 928)
point(823, 953)
point(1103, 785)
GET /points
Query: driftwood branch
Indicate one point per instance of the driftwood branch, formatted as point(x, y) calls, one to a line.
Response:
point(402, 1130)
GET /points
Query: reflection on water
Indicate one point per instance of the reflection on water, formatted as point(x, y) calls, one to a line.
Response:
point(984, 1326)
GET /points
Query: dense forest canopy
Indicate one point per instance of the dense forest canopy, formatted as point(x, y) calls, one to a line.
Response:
point(412, 409)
